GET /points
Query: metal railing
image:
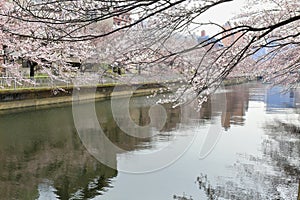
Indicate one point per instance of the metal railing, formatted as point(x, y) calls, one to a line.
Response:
point(21, 83)
point(14, 83)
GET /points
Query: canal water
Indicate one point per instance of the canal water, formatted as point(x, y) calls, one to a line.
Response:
point(244, 147)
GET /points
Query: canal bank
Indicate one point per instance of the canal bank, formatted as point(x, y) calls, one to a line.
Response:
point(36, 98)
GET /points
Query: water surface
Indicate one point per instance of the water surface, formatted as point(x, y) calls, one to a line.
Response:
point(256, 155)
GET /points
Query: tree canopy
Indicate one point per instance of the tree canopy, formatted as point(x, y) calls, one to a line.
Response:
point(163, 35)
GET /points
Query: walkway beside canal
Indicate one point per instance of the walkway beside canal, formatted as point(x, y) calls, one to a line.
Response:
point(45, 93)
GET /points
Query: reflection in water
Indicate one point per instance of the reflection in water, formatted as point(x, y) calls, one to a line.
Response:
point(282, 144)
point(42, 157)
point(237, 104)
point(139, 113)
point(275, 175)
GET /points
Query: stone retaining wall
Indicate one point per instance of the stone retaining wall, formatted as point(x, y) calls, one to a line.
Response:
point(45, 97)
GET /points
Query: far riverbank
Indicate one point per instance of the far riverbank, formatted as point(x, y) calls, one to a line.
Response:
point(36, 98)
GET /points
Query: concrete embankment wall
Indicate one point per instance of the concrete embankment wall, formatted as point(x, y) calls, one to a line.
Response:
point(45, 97)
point(236, 80)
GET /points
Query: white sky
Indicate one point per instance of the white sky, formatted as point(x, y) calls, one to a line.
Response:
point(221, 14)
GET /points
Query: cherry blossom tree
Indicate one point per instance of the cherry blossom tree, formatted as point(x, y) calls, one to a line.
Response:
point(274, 31)
point(162, 36)
point(52, 57)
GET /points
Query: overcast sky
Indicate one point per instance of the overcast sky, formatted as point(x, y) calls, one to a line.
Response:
point(221, 14)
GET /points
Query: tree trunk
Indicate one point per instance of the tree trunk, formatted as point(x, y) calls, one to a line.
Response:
point(31, 66)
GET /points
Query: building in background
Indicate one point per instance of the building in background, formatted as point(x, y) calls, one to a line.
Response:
point(230, 37)
point(122, 20)
point(277, 98)
point(227, 38)
point(203, 38)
